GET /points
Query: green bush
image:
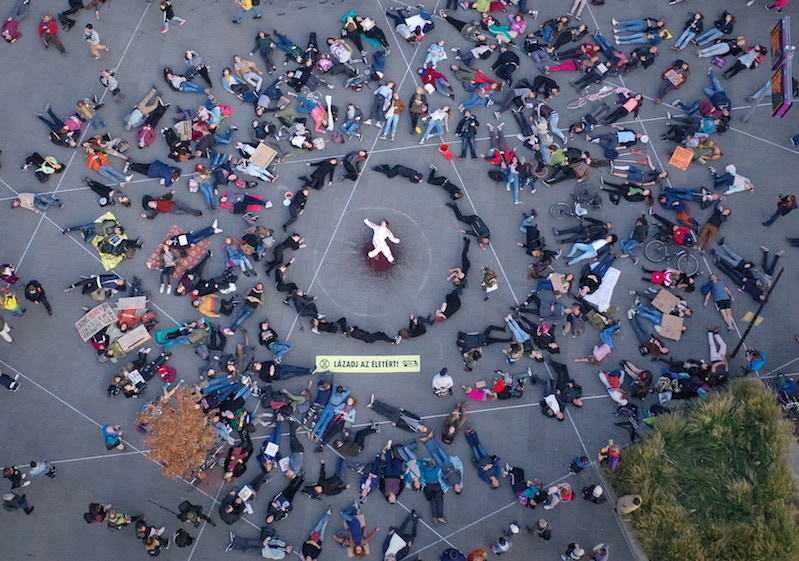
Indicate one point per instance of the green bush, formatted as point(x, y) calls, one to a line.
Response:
point(714, 481)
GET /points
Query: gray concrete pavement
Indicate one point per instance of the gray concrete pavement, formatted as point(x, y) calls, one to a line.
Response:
point(59, 412)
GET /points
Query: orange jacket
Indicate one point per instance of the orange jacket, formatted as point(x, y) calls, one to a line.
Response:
point(96, 160)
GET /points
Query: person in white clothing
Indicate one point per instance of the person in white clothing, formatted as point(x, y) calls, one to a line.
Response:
point(590, 250)
point(379, 237)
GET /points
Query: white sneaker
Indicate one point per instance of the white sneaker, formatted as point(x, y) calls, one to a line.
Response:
point(268, 204)
point(169, 289)
point(161, 290)
point(215, 224)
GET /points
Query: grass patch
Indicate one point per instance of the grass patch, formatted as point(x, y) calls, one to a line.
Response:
point(714, 481)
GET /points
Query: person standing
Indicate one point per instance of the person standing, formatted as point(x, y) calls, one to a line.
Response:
point(246, 7)
point(467, 130)
point(12, 502)
point(91, 36)
point(501, 545)
point(779, 4)
point(39, 468)
point(48, 32)
point(573, 552)
point(193, 513)
point(395, 107)
point(785, 204)
point(15, 476)
point(108, 79)
point(169, 15)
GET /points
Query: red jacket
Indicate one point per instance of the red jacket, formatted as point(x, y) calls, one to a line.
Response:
point(50, 27)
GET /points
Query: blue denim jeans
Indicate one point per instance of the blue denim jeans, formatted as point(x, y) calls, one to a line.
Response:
point(627, 246)
point(434, 128)
point(628, 25)
point(513, 181)
point(245, 311)
point(390, 126)
point(478, 451)
point(244, 12)
point(43, 202)
point(191, 87)
point(588, 252)
point(709, 36)
point(208, 192)
point(684, 39)
point(280, 348)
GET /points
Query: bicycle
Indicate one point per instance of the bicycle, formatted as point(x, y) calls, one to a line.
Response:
point(601, 93)
point(585, 197)
point(209, 463)
point(662, 249)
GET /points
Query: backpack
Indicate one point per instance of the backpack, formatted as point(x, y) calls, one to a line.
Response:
point(629, 411)
point(66, 22)
point(338, 138)
point(497, 175)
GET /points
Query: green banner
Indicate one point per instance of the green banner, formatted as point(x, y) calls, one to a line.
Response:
point(369, 364)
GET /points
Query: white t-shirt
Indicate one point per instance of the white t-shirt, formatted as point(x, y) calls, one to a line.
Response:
point(552, 402)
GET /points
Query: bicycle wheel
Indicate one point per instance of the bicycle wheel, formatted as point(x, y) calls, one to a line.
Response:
point(687, 263)
point(561, 211)
point(791, 411)
point(577, 103)
point(585, 193)
point(656, 251)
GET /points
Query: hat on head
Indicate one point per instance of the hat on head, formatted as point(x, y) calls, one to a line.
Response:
point(598, 491)
point(644, 139)
point(8, 497)
point(577, 553)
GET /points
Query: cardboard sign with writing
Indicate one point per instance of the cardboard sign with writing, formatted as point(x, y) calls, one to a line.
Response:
point(682, 158)
point(263, 156)
point(671, 327)
point(665, 301)
point(94, 320)
point(557, 283)
point(133, 338)
point(132, 303)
